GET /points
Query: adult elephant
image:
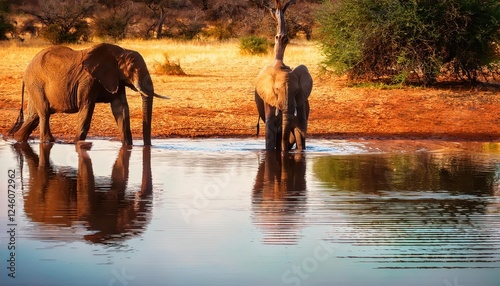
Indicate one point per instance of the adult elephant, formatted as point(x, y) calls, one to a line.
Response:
point(62, 80)
point(281, 96)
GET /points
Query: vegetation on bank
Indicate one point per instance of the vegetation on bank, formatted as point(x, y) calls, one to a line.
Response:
point(411, 40)
point(70, 21)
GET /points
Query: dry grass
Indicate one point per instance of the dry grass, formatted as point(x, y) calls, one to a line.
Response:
point(168, 67)
point(215, 98)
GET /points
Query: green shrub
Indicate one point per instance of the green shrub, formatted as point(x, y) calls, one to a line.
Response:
point(5, 22)
point(57, 34)
point(407, 40)
point(169, 67)
point(253, 45)
point(220, 30)
point(111, 26)
point(5, 27)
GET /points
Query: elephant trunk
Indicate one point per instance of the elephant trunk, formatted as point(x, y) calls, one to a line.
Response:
point(147, 112)
point(287, 131)
point(287, 120)
point(144, 86)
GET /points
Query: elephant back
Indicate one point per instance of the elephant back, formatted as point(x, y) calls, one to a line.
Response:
point(304, 80)
point(52, 62)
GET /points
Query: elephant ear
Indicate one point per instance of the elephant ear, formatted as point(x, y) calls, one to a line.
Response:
point(268, 84)
point(102, 65)
point(305, 82)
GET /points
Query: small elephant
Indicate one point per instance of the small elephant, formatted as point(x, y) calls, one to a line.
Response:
point(281, 96)
point(62, 80)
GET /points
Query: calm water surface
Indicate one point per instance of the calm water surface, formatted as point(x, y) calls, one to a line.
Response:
point(224, 212)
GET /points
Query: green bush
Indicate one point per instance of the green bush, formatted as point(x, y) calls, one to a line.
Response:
point(253, 45)
point(220, 30)
point(5, 27)
point(57, 34)
point(5, 22)
point(407, 40)
point(111, 26)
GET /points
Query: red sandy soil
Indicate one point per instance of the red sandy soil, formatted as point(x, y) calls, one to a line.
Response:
point(221, 105)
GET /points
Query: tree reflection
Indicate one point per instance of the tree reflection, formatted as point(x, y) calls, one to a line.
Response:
point(66, 198)
point(421, 210)
point(375, 173)
point(279, 196)
point(423, 183)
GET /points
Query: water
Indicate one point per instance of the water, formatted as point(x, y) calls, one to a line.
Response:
point(224, 212)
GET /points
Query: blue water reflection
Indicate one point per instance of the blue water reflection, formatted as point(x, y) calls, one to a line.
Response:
point(225, 212)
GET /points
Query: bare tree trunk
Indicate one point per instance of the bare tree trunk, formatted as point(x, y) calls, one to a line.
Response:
point(161, 20)
point(281, 39)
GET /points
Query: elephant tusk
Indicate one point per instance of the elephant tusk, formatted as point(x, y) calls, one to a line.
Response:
point(161, 96)
point(154, 94)
point(142, 93)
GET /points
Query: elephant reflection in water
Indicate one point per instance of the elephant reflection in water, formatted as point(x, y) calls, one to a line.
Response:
point(279, 196)
point(64, 197)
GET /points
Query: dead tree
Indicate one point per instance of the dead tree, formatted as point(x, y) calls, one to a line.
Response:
point(281, 39)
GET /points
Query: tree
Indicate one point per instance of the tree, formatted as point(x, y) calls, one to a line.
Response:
point(113, 21)
point(403, 39)
point(159, 9)
point(5, 24)
point(63, 20)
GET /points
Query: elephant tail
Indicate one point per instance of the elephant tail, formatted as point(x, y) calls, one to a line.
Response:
point(258, 126)
point(20, 118)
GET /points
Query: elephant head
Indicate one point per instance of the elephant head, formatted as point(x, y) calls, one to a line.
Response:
point(112, 66)
point(281, 96)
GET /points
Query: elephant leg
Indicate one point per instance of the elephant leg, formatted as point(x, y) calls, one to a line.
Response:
point(38, 104)
point(44, 155)
point(273, 128)
point(292, 139)
point(300, 129)
point(84, 120)
point(120, 109)
point(31, 122)
point(45, 134)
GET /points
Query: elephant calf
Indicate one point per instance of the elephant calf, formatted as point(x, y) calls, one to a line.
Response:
point(62, 80)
